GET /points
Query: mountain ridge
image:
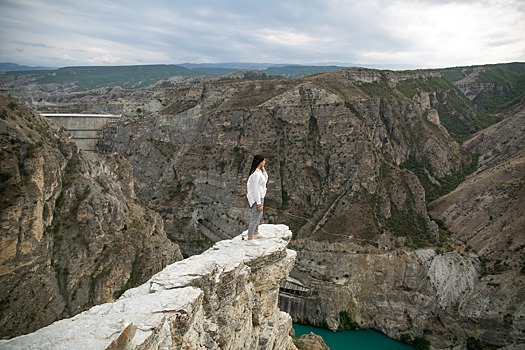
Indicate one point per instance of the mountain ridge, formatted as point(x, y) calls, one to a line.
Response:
point(13, 67)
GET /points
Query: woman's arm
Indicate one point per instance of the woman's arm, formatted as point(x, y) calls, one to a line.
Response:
point(254, 187)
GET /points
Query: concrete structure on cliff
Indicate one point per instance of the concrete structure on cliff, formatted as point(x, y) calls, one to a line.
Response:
point(224, 298)
point(85, 129)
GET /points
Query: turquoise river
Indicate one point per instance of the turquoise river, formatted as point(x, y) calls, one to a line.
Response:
point(353, 340)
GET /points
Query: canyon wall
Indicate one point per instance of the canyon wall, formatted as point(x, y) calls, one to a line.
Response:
point(353, 156)
point(225, 298)
point(73, 234)
point(334, 144)
point(487, 212)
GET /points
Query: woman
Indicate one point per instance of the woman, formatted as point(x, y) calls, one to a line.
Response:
point(256, 187)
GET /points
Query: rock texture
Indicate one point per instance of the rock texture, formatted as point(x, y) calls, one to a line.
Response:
point(225, 298)
point(311, 342)
point(487, 212)
point(334, 145)
point(73, 233)
point(399, 292)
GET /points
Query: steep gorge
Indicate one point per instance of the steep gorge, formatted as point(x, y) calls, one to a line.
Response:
point(334, 155)
point(487, 212)
point(354, 158)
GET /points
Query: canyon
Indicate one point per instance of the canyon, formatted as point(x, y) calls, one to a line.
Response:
point(405, 207)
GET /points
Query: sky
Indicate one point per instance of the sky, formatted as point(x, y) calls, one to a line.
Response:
point(382, 33)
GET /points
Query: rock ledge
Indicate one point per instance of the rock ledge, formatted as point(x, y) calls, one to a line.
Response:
point(225, 298)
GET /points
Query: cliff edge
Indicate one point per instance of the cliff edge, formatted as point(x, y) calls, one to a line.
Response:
point(224, 298)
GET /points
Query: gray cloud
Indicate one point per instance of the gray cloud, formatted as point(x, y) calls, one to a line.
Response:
point(415, 32)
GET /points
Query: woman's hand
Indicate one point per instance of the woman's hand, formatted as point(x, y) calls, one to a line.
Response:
point(259, 207)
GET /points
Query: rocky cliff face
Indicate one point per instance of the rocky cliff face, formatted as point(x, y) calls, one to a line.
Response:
point(489, 86)
point(403, 293)
point(487, 212)
point(334, 145)
point(468, 291)
point(225, 298)
point(73, 233)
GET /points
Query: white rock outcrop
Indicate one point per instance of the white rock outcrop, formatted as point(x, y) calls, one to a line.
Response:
point(225, 298)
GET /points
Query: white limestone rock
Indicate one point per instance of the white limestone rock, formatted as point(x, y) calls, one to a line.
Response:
point(122, 322)
point(452, 275)
point(225, 298)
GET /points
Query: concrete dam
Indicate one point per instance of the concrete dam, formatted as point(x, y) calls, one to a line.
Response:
point(85, 129)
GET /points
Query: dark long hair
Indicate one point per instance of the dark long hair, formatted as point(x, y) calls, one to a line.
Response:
point(257, 159)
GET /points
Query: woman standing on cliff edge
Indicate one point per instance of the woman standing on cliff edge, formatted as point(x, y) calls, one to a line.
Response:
point(256, 188)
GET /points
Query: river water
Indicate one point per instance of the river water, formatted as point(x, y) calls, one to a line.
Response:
point(353, 340)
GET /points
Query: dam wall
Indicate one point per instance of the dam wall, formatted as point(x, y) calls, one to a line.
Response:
point(85, 129)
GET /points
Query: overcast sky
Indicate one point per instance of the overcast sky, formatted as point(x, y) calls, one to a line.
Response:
point(416, 33)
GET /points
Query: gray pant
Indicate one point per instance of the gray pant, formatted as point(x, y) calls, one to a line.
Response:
point(255, 219)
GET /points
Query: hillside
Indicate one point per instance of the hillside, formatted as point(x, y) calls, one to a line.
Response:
point(13, 67)
point(489, 87)
point(487, 213)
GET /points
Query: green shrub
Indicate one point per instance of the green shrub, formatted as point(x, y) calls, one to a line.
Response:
point(421, 343)
point(406, 338)
point(346, 322)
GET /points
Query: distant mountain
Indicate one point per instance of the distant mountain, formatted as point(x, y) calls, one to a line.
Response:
point(234, 65)
point(298, 71)
point(132, 77)
point(283, 69)
point(13, 67)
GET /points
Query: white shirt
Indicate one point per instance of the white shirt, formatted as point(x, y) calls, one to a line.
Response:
point(256, 186)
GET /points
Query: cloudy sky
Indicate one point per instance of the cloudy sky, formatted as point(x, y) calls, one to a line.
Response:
point(412, 33)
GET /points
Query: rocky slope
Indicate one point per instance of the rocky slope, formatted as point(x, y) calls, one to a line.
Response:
point(73, 233)
point(225, 298)
point(487, 212)
point(489, 86)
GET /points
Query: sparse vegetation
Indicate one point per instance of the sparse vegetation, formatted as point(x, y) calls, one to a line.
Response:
point(421, 343)
point(166, 149)
point(509, 77)
point(11, 105)
point(410, 88)
point(447, 184)
point(346, 322)
point(378, 89)
point(406, 338)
